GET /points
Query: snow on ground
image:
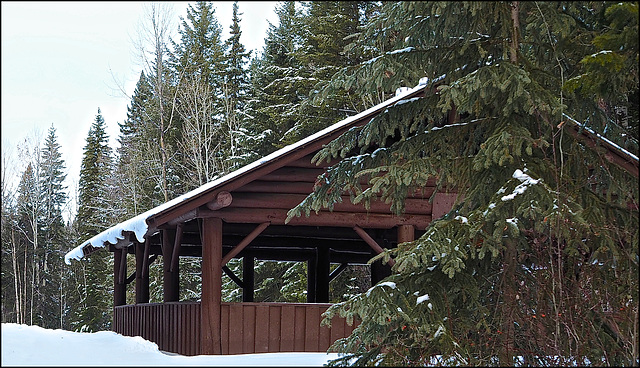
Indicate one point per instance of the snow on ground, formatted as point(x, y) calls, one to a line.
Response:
point(24, 345)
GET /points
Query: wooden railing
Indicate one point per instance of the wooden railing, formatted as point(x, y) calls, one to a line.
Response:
point(245, 327)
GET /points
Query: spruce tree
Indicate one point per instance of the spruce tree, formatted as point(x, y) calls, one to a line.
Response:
point(53, 233)
point(93, 217)
point(199, 66)
point(235, 89)
point(536, 263)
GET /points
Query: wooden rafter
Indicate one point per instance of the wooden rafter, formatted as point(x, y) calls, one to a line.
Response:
point(238, 248)
point(372, 243)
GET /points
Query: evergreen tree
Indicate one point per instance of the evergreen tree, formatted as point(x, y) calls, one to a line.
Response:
point(275, 85)
point(53, 233)
point(537, 260)
point(199, 63)
point(93, 217)
point(328, 27)
point(235, 89)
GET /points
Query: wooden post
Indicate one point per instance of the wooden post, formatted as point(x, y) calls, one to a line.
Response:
point(142, 276)
point(311, 278)
point(248, 274)
point(406, 233)
point(119, 288)
point(171, 280)
point(323, 268)
point(210, 306)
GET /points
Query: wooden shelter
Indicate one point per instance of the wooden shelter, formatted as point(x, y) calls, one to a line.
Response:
point(243, 215)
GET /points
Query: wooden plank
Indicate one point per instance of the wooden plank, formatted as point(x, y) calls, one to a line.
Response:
point(260, 186)
point(287, 334)
point(248, 329)
point(274, 328)
point(442, 204)
point(299, 328)
point(211, 286)
point(324, 338)
point(337, 328)
point(224, 328)
point(312, 329)
point(235, 328)
point(262, 322)
point(323, 218)
point(287, 201)
point(293, 174)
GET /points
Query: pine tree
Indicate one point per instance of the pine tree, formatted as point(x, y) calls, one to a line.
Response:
point(93, 217)
point(537, 260)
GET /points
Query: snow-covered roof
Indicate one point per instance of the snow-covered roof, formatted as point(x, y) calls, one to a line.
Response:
point(138, 224)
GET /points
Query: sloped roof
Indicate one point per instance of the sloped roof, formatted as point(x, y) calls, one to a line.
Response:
point(144, 224)
point(140, 224)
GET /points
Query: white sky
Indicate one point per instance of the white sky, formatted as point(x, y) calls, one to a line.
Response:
point(61, 61)
point(106, 348)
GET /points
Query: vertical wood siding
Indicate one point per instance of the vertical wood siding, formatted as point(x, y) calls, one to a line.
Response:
point(245, 327)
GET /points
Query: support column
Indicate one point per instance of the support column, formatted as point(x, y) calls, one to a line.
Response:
point(171, 280)
point(248, 273)
point(210, 306)
point(406, 233)
point(119, 286)
point(142, 275)
point(311, 278)
point(323, 268)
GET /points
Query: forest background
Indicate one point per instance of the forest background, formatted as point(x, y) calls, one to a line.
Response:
point(512, 73)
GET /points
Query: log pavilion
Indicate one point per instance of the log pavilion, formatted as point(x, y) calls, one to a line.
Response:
point(243, 215)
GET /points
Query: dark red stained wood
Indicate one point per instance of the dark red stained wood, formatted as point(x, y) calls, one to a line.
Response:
point(287, 328)
point(337, 328)
point(324, 338)
point(299, 328)
point(262, 323)
point(442, 203)
point(323, 218)
point(211, 286)
point(224, 327)
point(248, 329)
point(235, 328)
point(119, 288)
point(274, 328)
point(288, 201)
point(312, 328)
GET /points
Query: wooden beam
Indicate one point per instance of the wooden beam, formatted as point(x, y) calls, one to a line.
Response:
point(372, 243)
point(248, 273)
point(323, 268)
point(210, 305)
point(323, 218)
point(222, 200)
point(233, 276)
point(171, 280)
point(142, 281)
point(417, 206)
point(337, 271)
point(245, 242)
point(175, 255)
point(123, 266)
point(119, 288)
point(145, 263)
